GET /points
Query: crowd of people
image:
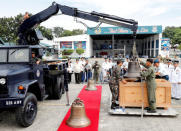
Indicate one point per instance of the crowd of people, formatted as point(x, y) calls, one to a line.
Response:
point(84, 70)
point(169, 70)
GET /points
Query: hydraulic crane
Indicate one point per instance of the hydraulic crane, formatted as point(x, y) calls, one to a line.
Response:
point(28, 36)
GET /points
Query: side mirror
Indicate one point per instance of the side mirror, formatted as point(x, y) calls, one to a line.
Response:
point(41, 52)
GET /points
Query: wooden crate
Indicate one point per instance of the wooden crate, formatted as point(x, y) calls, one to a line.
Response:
point(130, 94)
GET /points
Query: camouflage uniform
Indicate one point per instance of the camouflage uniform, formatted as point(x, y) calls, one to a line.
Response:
point(114, 83)
point(151, 85)
point(96, 68)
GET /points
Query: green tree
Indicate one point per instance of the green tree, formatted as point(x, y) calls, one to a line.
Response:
point(71, 33)
point(46, 32)
point(57, 31)
point(9, 28)
point(77, 32)
point(174, 33)
point(66, 33)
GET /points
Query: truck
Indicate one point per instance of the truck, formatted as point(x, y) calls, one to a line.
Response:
point(23, 80)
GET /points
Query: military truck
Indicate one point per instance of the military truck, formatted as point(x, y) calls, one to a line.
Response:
point(23, 81)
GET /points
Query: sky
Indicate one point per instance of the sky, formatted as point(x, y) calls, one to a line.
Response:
point(146, 12)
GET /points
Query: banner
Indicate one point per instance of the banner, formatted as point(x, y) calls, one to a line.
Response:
point(80, 44)
point(66, 44)
point(165, 44)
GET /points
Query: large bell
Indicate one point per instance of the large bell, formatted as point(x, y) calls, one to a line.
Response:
point(133, 70)
point(78, 117)
point(91, 85)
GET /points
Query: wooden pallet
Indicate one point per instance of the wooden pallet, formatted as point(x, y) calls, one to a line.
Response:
point(170, 112)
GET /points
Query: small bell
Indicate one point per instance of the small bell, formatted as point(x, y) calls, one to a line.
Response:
point(78, 117)
point(91, 85)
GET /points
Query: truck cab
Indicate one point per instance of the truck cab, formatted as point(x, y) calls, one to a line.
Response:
point(23, 81)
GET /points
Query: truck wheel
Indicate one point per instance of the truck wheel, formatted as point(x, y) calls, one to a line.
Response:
point(57, 90)
point(26, 114)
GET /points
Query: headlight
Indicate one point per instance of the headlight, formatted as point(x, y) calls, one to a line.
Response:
point(2, 81)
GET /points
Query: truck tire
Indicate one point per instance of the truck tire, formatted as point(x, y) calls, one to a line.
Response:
point(26, 114)
point(57, 89)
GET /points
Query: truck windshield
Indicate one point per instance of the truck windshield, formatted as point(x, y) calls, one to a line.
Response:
point(3, 55)
point(18, 55)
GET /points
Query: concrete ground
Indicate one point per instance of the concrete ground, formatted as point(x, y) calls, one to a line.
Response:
point(52, 112)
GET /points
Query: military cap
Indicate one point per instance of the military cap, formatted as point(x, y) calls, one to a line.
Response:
point(169, 60)
point(156, 61)
point(176, 61)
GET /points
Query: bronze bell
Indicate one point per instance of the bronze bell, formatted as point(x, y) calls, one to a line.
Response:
point(78, 117)
point(91, 85)
point(133, 70)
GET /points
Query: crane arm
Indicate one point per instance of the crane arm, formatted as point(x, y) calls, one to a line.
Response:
point(28, 36)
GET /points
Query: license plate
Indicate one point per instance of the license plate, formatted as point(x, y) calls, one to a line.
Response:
point(13, 102)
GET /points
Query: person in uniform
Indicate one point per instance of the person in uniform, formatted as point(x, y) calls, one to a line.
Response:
point(35, 60)
point(169, 67)
point(114, 83)
point(175, 80)
point(149, 75)
point(160, 70)
point(96, 67)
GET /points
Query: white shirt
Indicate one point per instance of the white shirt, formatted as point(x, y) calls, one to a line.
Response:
point(110, 65)
point(105, 66)
point(88, 66)
point(82, 63)
point(161, 69)
point(175, 75)
point(77, 67)
point(125, 65)
point(169, 68)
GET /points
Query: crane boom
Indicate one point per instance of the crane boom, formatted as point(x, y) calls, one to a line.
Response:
point(28, 36)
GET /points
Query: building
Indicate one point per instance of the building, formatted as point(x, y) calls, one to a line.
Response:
point(116, 41)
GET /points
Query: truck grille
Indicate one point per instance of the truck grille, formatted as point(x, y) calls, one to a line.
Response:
point(3, 91)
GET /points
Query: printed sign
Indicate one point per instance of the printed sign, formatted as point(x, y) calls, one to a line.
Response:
point(120, 30)
point(165, 44)
point(80, 44)
point(66, 44)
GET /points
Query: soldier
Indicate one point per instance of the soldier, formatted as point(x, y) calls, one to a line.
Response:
point(169, 67)
point(114, 83)
point(96, 67)
point(149, 74)
point(175, 80)
point(35, 60)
